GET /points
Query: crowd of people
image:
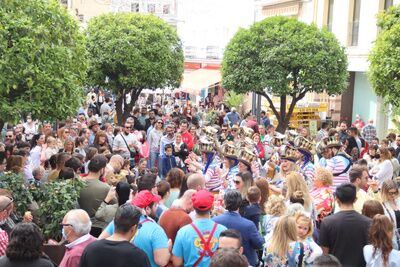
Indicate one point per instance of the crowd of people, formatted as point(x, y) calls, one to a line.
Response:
point(179, 184)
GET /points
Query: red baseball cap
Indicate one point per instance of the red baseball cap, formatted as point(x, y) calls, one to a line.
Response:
point(202, 200)
point(145, 198)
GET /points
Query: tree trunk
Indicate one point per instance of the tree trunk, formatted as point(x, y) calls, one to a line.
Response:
point(1, 126)
point(123, 109)
point(118, 108)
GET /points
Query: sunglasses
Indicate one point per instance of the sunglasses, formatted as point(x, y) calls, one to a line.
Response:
point(8, 204)
point(393, 193)
point(235, 130)
point(9, 136)
point(236, 181)
point(64, 224)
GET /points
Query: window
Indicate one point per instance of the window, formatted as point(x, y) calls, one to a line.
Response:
point(166, 9)
point(135, 7)
point(388, 3)
point(355, 23)
point(330, 15)
point(151, 8)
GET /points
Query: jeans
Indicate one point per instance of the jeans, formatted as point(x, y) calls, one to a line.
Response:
point(153, 160)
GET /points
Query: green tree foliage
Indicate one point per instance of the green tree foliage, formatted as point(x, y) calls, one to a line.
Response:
point(384, 70)
point(131, 52)
point(42, 60)
point(232, 99)
point(283, 57)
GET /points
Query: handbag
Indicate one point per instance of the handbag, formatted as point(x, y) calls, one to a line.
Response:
point(132, 152)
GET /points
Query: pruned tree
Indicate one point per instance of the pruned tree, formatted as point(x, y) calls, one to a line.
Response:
point(283, 57)
point(42, 61)
point(131, 52)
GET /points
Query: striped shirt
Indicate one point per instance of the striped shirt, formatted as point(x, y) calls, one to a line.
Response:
point(3, 242)
point(308, 171)
point(213, 181)
point(338, 164)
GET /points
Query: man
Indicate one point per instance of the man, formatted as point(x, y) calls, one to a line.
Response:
point(142, 118)
point(228, 257)
point(369, 131)
point(323, 132)
point(10, 138)
point(147, 182)
point(6, 207)
point(264, 119)
point(187, 137)
point(270, 133)
point(61, 158)
point(337, 162)
point(196, 181)
point(75, 230)
point(177, 216)
point(154, 139)
point(94, 127)
point(231, 219)
point(150, 120)
point(106, 107)
point(230, 239)
point(169, 138)
point(176, 113)
point(195, 243)
point(95, 191)
point(47, 128)
point(151, 238)
point(126, 144)
point(3, 162)
point(232, 117)
point(345, 233)
point(358, 123)
point(343, 132)
point(326, 261)
point(355, 145)
point(116, 250)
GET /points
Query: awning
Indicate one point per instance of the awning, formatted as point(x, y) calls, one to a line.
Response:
point(199, 79)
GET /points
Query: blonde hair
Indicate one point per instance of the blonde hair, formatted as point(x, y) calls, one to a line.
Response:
point(303, 217)
point(284, 233)
point(275, 206)
point(295, 182)
point(386, 186)
point(324, 176)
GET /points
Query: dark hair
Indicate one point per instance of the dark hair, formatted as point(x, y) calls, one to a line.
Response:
point(74, 163)
point(126, 216)
point(163, 188)
point(371, 208)
point(346, 193)
point(146, 182)
point(91, 152)
point(61, 159)
point(123, 190)
point(34, 140)
point(254, 194)
point(362, 162)
point(326, 260)
point(167, 146)
point(324, 125)
point(25, 242)
point(232, 233)
point(66, 173)
point(228, 257)
point(356, 172)
point(353, 130)
point(97, 163)
point(184, 186)
point(3, 157)
point(53, 161)
point(297, 197)
point(23, 145)
point(184, 122)
point(175, 177)
point(233, 200)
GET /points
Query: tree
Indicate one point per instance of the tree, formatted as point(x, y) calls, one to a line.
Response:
point(232, 99)
point(42, 61)
point(282, 57)
point(131, 52)
point(384, 70)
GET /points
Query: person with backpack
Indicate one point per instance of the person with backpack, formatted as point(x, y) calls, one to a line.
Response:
point(196, 243)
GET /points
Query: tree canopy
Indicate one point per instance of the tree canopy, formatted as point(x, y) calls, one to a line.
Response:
point(282, 57)
point(129, 52)
point(42, 60)
point(384, 70)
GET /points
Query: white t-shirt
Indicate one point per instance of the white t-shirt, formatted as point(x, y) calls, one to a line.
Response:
point(377, 260)
point(131, 140)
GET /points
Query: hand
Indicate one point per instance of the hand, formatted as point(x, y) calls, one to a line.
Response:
point(169, 245)
point(374, 185)
point(111, 195)
point(27, 217)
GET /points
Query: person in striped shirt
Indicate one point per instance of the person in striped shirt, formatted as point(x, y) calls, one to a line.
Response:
point(338, 162)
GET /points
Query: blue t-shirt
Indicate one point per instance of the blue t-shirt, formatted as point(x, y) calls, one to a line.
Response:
point(149, 237)
point(188, 244)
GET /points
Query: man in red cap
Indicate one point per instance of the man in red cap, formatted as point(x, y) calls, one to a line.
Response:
point(150, 237)
point(195, 243)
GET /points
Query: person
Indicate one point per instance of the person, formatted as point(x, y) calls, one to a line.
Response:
point(253, 211)
point(186, 250)
point(163, 190)
point(37, 154)
point(231, 219)
point(391, 205)
point(232, 117)
point(94, 192)
point(228, 257)
point(151, 238)
point(337, 229)
point(304, 233)
point(275, 208)
point(126, 144)
point(324, 200)
point(25, 248)
point(283, 249)
point(174, 178)
point(6, 207)
point(168, 161)
point(323, 132)
point(326, 260)
point(343, 135)
point(372, 156)
point(296, 183)
point(243, 181)
point(230, 239)
point(380, 251)
point(116, 250)
point(154, 138)
point(384, 169)
point(168, 138)
point(177, 216)
point(337, 162)
point(187, 137)
point(371, 208)
point(264, 119)
point(75, 230)
point(369, 131)
point(61, 158)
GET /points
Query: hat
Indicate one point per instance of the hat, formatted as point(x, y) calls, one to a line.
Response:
point(92, 123)
point(145, 198)
point(247, 132)
point(210, 132)
point(291, 135)
point(278, 140)
point(246, 156)
point(289, 153)
point(206, 145)
point(304, 145)
point(229, 150)
point(202, 200)
point(333, 142)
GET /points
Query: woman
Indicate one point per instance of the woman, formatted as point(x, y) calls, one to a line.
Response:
point(141, 168)
point(181, 151)
point(243, 181)
point(287, 165)
point(101, 141)
point(380, 252)
point(193, 132)
point(322, 194)
point(25, 248)
point(81, 143)
point(174, 178)
point(230, 169)
point(274, 209)
point(372, 156)
point(395, 162)
point(295, 182)
point(283, 249)
point(51, 148)
point(259, 147)
point(37, 154)
point(384, 169)
point(106, 212)
point(63, 135)
point(371, 208)
point(391, 205)
point(263, 185)
point(69, 146)
point(163, 190)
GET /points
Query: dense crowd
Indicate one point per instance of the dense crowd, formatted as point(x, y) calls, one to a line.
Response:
point(178, 184)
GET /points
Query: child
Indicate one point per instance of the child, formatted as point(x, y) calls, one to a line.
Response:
point(167, 161)
point(253, 211)
point(304, 234)
point(275, 208)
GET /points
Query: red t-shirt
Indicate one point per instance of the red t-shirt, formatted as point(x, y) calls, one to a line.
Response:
point(188, 139)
